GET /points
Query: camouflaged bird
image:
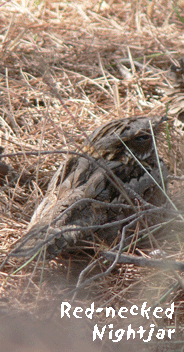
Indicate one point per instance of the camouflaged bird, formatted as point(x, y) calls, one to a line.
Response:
point(88, 190)
point(4, 169)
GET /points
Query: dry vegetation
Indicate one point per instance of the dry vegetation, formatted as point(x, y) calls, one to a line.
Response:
point(106, 59)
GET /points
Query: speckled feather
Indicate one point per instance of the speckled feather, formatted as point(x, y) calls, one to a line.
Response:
point(79, 178)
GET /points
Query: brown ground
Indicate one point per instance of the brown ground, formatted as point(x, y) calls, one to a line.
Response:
point(67, 67)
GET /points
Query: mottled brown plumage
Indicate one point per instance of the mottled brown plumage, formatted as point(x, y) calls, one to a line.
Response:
point(4, 169)
point(109, 174)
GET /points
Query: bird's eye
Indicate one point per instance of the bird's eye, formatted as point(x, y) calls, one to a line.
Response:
point(142, 138)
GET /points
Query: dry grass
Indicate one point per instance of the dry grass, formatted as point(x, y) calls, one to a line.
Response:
point(108, 59)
